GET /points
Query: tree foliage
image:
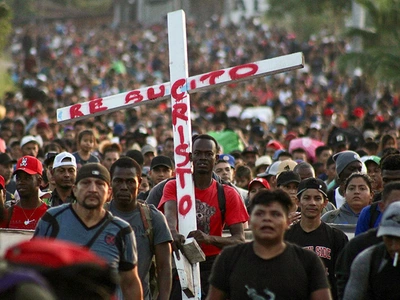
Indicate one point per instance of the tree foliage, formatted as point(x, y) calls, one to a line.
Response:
point(21, 8)
point(5, 24)
point(380, 55)
point(97, 6)
point(308, 17)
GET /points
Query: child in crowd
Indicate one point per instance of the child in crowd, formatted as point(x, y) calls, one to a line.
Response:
point(243, 176)
point(86, 144)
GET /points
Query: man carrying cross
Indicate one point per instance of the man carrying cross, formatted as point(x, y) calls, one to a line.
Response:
point(179, 88)
point(210, 218)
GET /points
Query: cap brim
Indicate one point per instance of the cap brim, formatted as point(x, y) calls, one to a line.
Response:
point(263, 175)
point(162, 165)
point(303, 190)
point(289, 181)
point(388, 230)
point(12, 161)
point(29, 171)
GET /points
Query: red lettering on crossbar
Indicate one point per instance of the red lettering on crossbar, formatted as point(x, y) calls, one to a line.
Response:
point(243, 71)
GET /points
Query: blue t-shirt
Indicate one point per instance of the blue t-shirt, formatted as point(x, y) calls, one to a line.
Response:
point(116, 243)
point(365, 218)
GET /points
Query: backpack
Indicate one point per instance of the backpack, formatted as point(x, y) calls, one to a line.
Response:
point(332, 216)
point(145, 214)
point(374, 214)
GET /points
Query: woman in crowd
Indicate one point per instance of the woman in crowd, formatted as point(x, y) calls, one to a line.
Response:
point(358, 194)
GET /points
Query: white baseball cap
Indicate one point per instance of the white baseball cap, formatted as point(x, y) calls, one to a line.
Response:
point(30, 138)
point(263, 160)
point(271, 170)
point(59, 160)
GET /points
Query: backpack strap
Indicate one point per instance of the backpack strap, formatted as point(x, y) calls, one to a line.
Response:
point(147, 222)
point(374, 214)
point(100, 230)
point(53, 223)
point(332, 215)
point(221, 201)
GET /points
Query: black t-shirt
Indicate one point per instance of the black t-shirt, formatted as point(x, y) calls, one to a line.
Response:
point(349, 253)
point(325, 241)
point(293, 274)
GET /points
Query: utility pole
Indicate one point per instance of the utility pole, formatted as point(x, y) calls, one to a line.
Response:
point(358, 21)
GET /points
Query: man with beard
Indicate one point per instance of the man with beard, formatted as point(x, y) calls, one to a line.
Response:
point(29, 209)
point(152, 239)
point(85, 222)
point(210, 219)
point(64, 174)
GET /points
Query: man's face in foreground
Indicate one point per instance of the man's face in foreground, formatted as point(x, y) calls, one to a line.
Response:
point(269, 222)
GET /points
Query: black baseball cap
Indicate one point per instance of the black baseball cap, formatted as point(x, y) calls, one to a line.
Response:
point(250, 149)
point(95, 170)
point(161, 160)
point(287, 177)
point(49, 158)
point(312, 183)
point(6, 159)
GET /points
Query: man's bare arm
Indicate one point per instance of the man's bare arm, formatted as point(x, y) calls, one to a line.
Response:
point(215, 294)
point(130, 284)
point(171, 214)
point(237, 236)
point(164, 267)
point(322, 294)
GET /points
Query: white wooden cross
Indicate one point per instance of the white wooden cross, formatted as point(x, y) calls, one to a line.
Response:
point(179, 88)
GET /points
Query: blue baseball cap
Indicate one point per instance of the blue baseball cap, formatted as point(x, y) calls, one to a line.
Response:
point(227, 158)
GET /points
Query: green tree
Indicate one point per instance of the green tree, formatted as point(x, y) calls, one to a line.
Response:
point(310, 17)
point(380, 55)
point(22, 9)
point(97, 6)
point(5, 31)
point(5, 24)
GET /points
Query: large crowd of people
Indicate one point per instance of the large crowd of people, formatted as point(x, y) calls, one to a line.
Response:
point(326, 154)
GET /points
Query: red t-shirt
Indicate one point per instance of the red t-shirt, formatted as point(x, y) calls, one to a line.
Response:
point(26, 218)
point(207, 210)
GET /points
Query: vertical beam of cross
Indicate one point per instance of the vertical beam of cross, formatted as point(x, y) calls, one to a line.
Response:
point(178, 88)
point(182, 130)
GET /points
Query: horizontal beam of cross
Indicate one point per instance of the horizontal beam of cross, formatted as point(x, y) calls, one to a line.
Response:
point(101, 106)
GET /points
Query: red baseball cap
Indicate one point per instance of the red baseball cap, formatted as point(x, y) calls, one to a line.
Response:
point(51, 253)
point(2, 182)
point(30, 165)
point(263, 181)
point(328, 112)
point(358, 112)
point(275, 145)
